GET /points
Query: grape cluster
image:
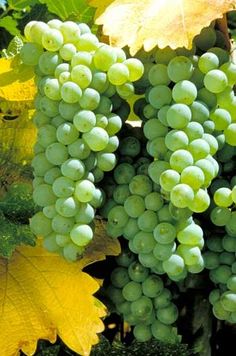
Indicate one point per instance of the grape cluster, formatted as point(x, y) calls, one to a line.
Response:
point(81, 86)
point(143, 301)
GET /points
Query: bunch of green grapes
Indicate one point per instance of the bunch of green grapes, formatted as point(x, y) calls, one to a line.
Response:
point(141, 298)
point(81, 84)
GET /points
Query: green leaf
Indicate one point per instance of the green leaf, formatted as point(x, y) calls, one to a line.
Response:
point(10, 25)
point(70, 9)
point(20, 4)
point(13, 48)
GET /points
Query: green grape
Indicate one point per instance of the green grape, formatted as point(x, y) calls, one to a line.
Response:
point(164, 214)
point(163, 299)
point(125, 258)
point(192, 176)
point(135, 67)
point(147, 221)
point(81, 234)
point(106, 161)
point(214, 296)
point(67, 133)
point(174, 265)
point(46, 135)
point(140, 185)
point(118, 74)
point(178, 116)
point(230, 134)
point(211, 260)
point(169, 179)
point(40, 225)
point(120, 277)
point(63, 187)
point(178, 213)
point(156, 168)
point(152, 286)
point(62, 240)
point(84, 120)
point(142, 333)
point(132, 291)
point(164, 55)
point(147, 259)
point(66, 206)
point(71, 92)
point(113, 144)
point(97, 138)
point(164, 233)
point(159, 96)
point(228, 301)
point(134, 206)
point(194, 130)
point(221, 118)
point(227, 258)
point(130, 229)
point(99, 82)
point(162, 114)
point(209, 127)
point(220, 274)
point(62, 225)
point(180, 68)
point(79, 149)
point(70, 31)
point(130, 146)
point(206, 39)
point(158, 75)
point(200, 112)
point(207, 97)
point(84, 190)
point(40, 119)
point(231, 283)
point(223, 197)
point(43, 195)
point(85, 214)
point(153, 201)
point(52, 40)
point(219, 311)
point(229, 69)
point(153, 128)
point(190, 235)
point(229, 243)
point(144, 242)
point(51, 175)
point(67, 51)
point(30, 53)
point(41, 165)
point(113, 231)
point(163, 251)
point(222, 55)
point(48, 62)
point(199, 148)
point(57, 121)
point(73, 168)
point(117, 216)
point(208, 61)
point(81, 75)
point(175, 139)
point(184, 92)
point(162, 332)
point(115, 294)
point(220, 216)
point(167, 315)
point(62, 67)
point(142, 308)
point(157, 148)
point(81, 57)
point(64, 77)
point(190, 254)
point(137, 272)
point(104, 57)
point(71, 252)
point(50, 244)
point(215, 81)
point(121, 193)
point(181, 195)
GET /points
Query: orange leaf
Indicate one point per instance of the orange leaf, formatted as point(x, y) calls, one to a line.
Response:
point(162, 23)
point(42, 295)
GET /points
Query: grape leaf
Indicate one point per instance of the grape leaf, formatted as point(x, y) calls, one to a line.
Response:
point(20, 4)
point(13, 48)
point(42, 295)
point(149, 23)
point(79, 9)
point(10, 25)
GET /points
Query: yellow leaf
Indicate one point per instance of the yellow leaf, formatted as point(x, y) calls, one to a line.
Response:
point(42, 295)
point(16, 80)
point(17, 138)
point(164, 23)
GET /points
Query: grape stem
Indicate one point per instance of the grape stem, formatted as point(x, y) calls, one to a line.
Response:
point(223, 27)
